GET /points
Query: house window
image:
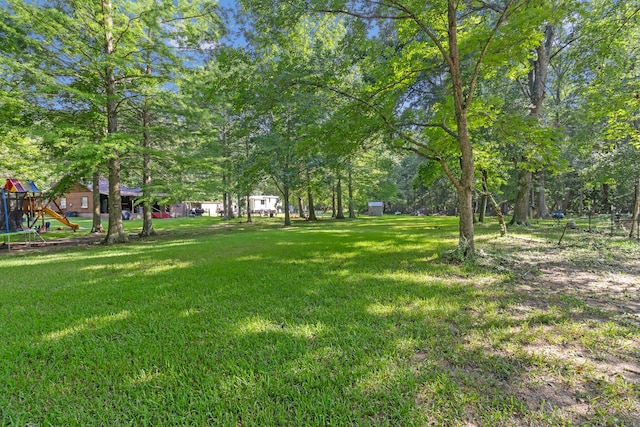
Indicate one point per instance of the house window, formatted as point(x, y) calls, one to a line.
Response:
point(262, 202)
point(63, 203)
point(84, 203)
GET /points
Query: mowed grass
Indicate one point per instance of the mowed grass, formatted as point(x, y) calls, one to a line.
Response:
point(333, 323)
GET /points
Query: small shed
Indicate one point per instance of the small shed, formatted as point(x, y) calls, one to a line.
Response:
point(375, 208)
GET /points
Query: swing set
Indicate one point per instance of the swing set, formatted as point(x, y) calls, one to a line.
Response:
point(18, 199)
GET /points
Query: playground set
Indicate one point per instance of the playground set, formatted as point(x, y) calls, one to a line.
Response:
point(22, 212)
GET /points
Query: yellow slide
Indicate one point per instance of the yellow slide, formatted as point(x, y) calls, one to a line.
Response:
point(60, 218)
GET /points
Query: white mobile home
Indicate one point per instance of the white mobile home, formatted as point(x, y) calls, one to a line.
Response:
point(265, 203)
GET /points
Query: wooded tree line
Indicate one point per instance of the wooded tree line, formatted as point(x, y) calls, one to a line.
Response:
point(423, 104)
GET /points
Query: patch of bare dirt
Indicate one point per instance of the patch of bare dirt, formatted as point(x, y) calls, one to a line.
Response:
point(18, 246)
point(589, 294)
point(605, 279)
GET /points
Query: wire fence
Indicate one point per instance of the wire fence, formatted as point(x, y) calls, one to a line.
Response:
point(612, 225)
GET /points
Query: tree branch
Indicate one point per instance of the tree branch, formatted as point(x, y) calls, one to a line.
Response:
point(443, 163)
point(126, 29)
point(429, 152)
point(483, 53)
point(426, 30)
point(442, 126)
point(407, 15)
point(485, 5)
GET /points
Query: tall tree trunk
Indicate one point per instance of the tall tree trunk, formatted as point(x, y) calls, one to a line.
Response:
point(230, 205)
point(312, 207)
point(247, 156)
point(239, 206)
point(115, 233)
point(580, 203)
point(249, 208)
point(474, 202)
point(521, 206)
point(604, 198)
point(540, 71)
point(225, 201)
point(566, 203)
point(300, 207)
point(464, 185)
point(498, 210)
point(97, 218)
point(536, 92)
point(636, 211)
point(352, 210)
point(465, 204)
point(147, 210)
point(542, 211)
point(227, 197)
point(287, 214)
point(485, 196)
point(339, 208)
point(333, 201)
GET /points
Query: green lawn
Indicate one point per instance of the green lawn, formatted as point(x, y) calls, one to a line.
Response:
point(358, 322)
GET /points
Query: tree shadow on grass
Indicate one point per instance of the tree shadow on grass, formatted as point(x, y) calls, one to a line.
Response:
point(308, 329)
